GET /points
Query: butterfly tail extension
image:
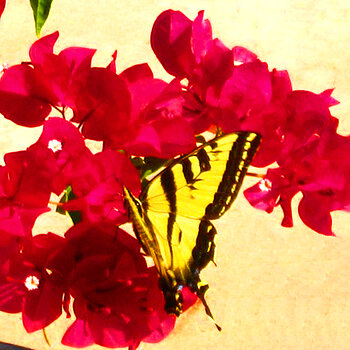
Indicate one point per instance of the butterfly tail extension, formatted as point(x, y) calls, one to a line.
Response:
point(202, 254)
point(200, 293)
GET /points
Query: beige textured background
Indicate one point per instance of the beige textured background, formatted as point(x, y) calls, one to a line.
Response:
point(273, 288)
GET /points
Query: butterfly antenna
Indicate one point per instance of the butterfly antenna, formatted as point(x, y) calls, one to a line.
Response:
point(200, 295)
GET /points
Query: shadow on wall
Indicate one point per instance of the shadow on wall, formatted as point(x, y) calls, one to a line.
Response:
point(6, 346)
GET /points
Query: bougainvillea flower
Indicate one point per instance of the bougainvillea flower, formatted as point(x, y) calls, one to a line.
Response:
point(308, 163)
point(97, 182)
point(142, 317)
point(33, 283)
point(248, 90)
point(62, 138)
point(103, 106)
point(27, 92)
point(171, 42)
point(17, 220)
point(262, 195)
point(273, 190)
point(156, 126)
point(320, 170)
point(100, 100)
point(233, 89)
point(162, 131)
point(308, 115)
point(281, 184)
point(211, 73)
point(117, 301)
point(24, 190)
point(163, 139)
point(329, 189)
point(29, 176)
point(63, 145)
point(24, 96)
point(186, 49)
point(65, 73)
point(254, 99)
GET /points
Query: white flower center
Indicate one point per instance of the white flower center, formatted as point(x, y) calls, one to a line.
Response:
point(55, 146)
point(265, 185)
point(32, 283)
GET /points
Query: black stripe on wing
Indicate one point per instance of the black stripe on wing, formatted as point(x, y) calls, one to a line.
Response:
point(187, 170)
point(167, 181)
point(240, 156)
point(204, 160)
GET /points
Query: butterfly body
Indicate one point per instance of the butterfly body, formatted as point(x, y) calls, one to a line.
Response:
point(172, 217)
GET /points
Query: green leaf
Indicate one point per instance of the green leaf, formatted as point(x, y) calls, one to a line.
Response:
point(147, 166)
point(41, 10)
point(68, 195)
point(152, 165)
point(138, 162)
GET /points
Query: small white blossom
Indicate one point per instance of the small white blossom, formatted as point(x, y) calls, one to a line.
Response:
point(265, 185)
point(55, 146)
point(32, 283)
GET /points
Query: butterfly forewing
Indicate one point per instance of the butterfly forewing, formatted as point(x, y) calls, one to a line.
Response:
point(205, 182)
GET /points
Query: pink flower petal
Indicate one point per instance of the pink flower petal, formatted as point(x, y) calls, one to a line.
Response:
point(201, 36)
point(112, 65)
point(42, 307)
point(137, 72)
point(22, 96)
point(241, 54)
point(42, 48)
point(78, 335)
point(170, 41)
point(162, 331)
point(314, 210)
point(2, 6)
point(103, 106)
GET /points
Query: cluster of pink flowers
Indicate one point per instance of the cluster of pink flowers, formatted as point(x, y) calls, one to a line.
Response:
point(116, 298)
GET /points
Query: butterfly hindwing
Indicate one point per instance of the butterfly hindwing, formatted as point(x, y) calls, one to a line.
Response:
point(183, 253)
point(172, 216)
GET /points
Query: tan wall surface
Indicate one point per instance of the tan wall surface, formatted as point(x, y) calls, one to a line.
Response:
point(273, 288)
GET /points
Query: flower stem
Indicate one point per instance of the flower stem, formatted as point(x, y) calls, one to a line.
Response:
point(261, 176)
point(55, 203)
point(60, 110)
point(46, 338)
